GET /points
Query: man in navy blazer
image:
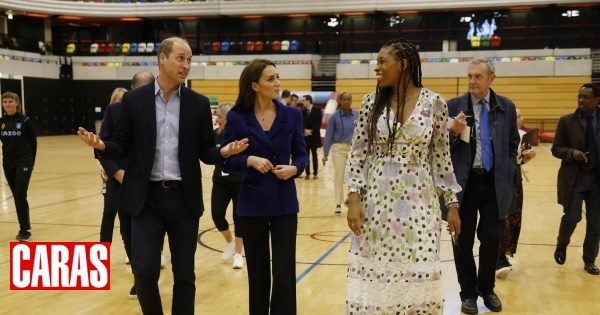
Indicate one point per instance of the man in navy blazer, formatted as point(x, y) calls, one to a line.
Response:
point(311, 122)
point(164, 129)
point(486, 189)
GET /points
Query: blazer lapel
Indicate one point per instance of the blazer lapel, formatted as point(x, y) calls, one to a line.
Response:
point(148, 105)
point(279, 122)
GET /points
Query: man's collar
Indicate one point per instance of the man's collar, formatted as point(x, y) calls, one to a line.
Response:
point(158, 90)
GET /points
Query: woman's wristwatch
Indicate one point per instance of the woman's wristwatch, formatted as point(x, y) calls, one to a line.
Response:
point(355, 190)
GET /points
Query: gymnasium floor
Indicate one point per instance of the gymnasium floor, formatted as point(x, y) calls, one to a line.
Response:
point(66, 205)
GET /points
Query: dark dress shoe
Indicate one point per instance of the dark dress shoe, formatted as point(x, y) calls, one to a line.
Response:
point(591, 269)
point(560, 257)
point(469, 306)
point(492, 302)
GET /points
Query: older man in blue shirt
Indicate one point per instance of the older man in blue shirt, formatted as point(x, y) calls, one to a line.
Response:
point(340, 129)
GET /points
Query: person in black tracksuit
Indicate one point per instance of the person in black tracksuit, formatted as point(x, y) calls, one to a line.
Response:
point(19, 146)
point(226, 188)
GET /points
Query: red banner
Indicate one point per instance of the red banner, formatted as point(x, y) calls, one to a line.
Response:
point(59, 266)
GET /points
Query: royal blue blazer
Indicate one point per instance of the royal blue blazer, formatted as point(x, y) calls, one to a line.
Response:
point(264, 195)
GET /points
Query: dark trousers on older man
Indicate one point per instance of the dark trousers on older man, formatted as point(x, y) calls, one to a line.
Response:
point(587, 188)
point(479, 197)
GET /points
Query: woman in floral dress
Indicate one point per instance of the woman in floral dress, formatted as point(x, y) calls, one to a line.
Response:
point(398, 165)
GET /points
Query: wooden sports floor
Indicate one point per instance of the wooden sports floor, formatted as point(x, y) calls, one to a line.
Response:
point(66, 205)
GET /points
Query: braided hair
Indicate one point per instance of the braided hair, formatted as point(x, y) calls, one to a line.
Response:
point(402, 50)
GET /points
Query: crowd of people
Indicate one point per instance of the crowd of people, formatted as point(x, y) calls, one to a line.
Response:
point(408, 159)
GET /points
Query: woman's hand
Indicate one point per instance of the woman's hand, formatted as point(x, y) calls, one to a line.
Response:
point(528, 155)
point(453, 223)
point(285, 171)
point(260, 164)
point(356, 217)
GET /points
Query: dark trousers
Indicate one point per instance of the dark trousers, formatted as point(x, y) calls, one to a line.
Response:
point(282, 230)
point(587, 188)
point(315, 160)
point(222, 193)
point(479, 196)
point(165, 210)
point(111, 202)
point(18, 176)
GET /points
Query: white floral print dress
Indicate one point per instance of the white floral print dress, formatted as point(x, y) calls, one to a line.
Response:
point(393, 267)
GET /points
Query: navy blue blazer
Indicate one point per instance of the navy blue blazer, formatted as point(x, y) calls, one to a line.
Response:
point(107, 130)
point(505, 142)
point(135, 138)
point(265, 194)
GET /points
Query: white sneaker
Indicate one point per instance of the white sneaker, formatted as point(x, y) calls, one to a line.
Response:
point(127, 262)
point(229, 250)
point(501, 273)
point(238, 261)
point(338, 210)
point(163, 262)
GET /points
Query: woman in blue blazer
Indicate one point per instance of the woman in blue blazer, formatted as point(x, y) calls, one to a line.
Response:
point(268, 203)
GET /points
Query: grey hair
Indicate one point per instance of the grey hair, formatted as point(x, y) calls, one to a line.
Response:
point(488, 63)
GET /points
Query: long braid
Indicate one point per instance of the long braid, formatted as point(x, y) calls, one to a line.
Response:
point(401, 49)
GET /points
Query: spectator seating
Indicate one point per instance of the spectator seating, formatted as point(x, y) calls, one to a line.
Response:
point(70, 49)
point(294, 45)
point(94, 48)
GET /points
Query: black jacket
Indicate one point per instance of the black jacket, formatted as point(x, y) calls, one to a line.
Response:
point(19, 142)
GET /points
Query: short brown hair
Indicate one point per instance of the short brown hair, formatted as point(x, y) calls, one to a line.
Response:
point(13, 96)
point(166, 46)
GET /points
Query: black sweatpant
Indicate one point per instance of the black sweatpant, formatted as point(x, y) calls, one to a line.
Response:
point(18, 176)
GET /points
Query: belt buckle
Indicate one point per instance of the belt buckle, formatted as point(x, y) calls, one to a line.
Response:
point(478, 170)
point(166, 186)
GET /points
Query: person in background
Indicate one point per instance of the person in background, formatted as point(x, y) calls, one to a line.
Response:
point(509, 237)
point(286, 97)
point(294, 101)
point(398, 164)
point(338, 137)
point(312, 117)
point(114, 170)
point(226, 188)
point(19, 148)
point(485, 167)
point(268, 203)
point(577, 144)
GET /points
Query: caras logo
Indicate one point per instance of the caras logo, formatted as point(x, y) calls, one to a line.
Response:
point(60, 266)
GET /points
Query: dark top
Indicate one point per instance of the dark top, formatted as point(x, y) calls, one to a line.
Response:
point(19, 143)
point(107, 130)
point(218, 174)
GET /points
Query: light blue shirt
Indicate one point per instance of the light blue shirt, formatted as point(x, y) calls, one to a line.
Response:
point(477, 111)
point(340, 128)
point(166, 155)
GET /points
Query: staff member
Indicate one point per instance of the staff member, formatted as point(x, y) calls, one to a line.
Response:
point(19, 146)
point(340, 129)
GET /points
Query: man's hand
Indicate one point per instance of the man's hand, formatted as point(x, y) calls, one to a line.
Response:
point(119, 176)
point(91, 139)
point(356, 217)
point(324, 159)
point(528, 155)
point(453, 223)
point(460, 122)
point(285, 171)
point(234, 147)
point(307, 132)
point(260, 164)
point(579, 156)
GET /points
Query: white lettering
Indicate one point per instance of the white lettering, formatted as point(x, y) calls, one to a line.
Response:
point(40, 267)
point(60, 269)
point(98, 277)
point(79, 267)
point(20, 279)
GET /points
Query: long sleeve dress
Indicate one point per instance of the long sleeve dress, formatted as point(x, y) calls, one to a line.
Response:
point(393, 267)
